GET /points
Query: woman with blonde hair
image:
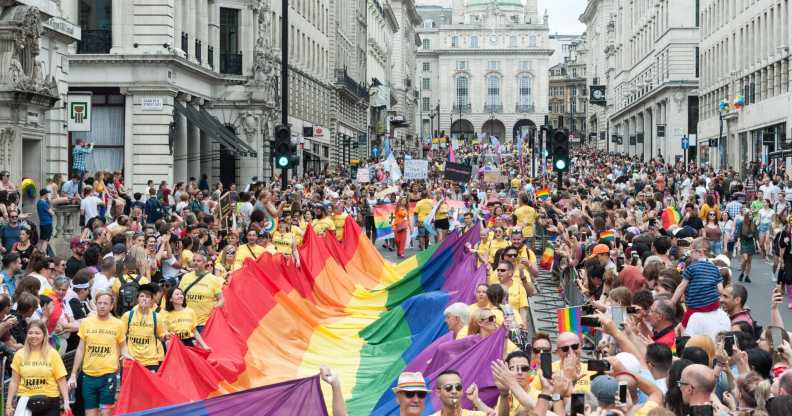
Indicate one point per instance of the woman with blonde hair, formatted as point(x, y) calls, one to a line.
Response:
point(38, 376)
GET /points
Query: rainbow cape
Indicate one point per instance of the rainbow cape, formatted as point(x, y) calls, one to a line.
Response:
point(383, 216)
point(344, 307)
point(670, 217)
point(546, 262)
point(542, 194)
point(568, 320)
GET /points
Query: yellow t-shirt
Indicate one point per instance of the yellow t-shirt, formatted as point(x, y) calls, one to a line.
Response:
point(325, 224)
point(202, 296)
point(298, 232)
point(181, 323)
point(646, 408)
point(526, 218)
point(338, 223)
point(142, 345)
point(465, 412)
point(39, 376)
point(583, 385)
point(515, 183)
point(283, 242)
point(514, 405)
point(423, 208)
point(102, 338)
point(117, 282)
point(186, 259)
point(245, 251)
point(491, 246)
point(526, 253)
point(474, 308)
point(442, 212)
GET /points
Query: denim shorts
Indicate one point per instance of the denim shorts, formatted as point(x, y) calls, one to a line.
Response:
point(99, 391)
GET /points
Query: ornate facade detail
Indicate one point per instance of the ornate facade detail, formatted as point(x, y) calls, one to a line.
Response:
point(264, 69)
point(20, 33)
point(7, 137)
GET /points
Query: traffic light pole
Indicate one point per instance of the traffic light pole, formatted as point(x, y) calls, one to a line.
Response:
point(285, 80)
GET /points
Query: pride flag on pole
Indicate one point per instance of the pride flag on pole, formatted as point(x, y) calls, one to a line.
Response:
point(383, 216)
point(607, 235)
point(542, 194)
point(546, 262)
point(568, 320)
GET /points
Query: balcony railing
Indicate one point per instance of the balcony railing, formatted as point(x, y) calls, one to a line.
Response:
point(461, 108)
point(185, 45)
point(95, 41)
point(198, 50)
point(525, 108)
point(342, 79)
point(210, 56)
point(231, 63)
point(493, 108)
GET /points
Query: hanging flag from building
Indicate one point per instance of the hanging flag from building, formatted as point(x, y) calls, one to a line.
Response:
point(79, 107)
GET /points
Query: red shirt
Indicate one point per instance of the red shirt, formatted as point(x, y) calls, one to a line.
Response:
point(666, 337)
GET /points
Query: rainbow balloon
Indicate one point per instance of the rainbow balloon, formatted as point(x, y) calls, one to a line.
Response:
point(28, 187)
point(344, 307)
point(723, 105)
point(670, 217)
point(739, 101)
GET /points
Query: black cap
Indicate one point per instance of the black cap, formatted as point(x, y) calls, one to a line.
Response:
point(150, 288)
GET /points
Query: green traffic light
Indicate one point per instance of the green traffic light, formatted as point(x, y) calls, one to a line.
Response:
point(283, 161)
point(560, 164)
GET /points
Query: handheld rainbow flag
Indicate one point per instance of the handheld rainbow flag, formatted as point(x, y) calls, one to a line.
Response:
point(670, 217)
point(383, 215)
point(568, 320)
point(546, 262)
point(542, 194)
point(607, 235)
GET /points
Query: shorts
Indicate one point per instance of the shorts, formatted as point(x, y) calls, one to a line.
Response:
point(99, 391)
point(422, 231)
point(716, 247)
point(691, 310)
point(763, 228)
point(45, 232)
point(442, 224)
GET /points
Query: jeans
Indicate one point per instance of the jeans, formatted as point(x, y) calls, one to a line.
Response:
point(716, 247)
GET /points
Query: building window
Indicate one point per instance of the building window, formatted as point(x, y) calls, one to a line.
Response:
point(461, 65)
point(462, 91)
point(513, 42)
point(107, 132)
point(525, 91)
point(230, 55)
point(493, 90)
point(424, 104)
point(454, 41)
point(532, 41)
point(574, 91)
point(525, 66)
point(427, 67)
point(697, 61)
point(474, 42)
point(426, 84)
point(492, 65)
point(427, 44)
point(428, 24)
point(96, 23)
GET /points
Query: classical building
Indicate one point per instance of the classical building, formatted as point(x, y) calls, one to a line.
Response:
point(382, 29)
point(568, 92)
point(745, 51)
point(35, 37)
point(406, 41)
point(485, 64)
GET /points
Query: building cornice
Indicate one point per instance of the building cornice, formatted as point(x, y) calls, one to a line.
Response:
point(483, 51)
point(591, 9)
point(476, 27)
point(155, 59)
point(652, 94)
point(390, 16)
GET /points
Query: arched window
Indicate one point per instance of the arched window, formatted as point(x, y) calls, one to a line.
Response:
point(525, 91)
point(462, 91)
point(493, 90)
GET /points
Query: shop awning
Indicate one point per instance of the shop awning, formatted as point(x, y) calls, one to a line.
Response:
point(215, 130)
point(311, 156)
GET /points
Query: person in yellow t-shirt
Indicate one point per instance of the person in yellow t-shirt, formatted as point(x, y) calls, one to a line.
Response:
point(203, 290)
point(284, 239)
point(422, 210)
point(181, 320)
point(339, 218)
point(449, 389)
point(483, 302)
point(144, 331)
point(323, 222)
point(249, 250)
point(568, 347)
point(494, 242)
point(526, 217)
point(101, 338)
point(441, 221)
point(37, 370)
point(225, 263)
point(185, 258)
point(516, 182)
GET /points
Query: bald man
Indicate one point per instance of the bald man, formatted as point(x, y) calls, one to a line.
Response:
point(568, 347)
point(697, 383)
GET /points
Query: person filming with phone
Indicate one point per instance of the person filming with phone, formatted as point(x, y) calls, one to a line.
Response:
point(79, 154)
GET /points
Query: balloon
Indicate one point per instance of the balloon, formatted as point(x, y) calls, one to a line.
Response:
point(28, 187)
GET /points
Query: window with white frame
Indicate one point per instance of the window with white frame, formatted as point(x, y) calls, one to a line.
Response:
point(424, 103)
point(454, 41)
point(493, 90)
point(427, 67)
point(492, 65)
point(427, 44)
point(532, 41)
point(461, 65)
point(462, 91)
point(513, 42)
point(474, 42)
point(426, 84)
point(525, 90)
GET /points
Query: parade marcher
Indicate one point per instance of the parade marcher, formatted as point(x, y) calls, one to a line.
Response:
point(144, 330)
point(202, 289)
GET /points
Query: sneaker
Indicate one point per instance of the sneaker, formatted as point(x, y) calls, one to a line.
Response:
point(742, 275)
point(747, 279)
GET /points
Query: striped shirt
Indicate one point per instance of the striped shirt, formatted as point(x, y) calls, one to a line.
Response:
point(703, 278)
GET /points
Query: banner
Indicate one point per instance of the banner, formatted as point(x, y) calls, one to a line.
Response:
point(416, 169)
point(79, 112)
point(383, 216)
point(457, 172)
point(363, 175)
point(495, 177)
point(387, 191)
point(391, 167)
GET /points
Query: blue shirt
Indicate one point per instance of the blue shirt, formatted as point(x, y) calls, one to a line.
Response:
point(71, 188)
point(9, 236)
point(78, 156)
point(42, 207)
point(703, 278)
point(9, 282)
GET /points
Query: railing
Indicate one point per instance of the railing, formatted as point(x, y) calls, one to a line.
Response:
point(231, 63)
point(463, 108)
point(198, 50)
point(525, 108)
point(210, 56)
point(493, 108)
point(185, 44)
point(95, 41)
point(342, 79)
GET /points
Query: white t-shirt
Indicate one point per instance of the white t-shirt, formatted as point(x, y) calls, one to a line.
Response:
point(766, 215)
point(708, 323)
point(101, 282)
point(769, 191)
point(90, 205)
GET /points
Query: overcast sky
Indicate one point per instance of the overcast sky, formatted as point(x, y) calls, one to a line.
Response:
point(563, 14)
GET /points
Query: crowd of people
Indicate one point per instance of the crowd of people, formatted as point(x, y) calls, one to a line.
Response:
point(650, 246)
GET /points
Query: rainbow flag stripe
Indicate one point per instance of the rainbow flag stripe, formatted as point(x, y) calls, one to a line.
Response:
point(542, 194)
point(546, 262)
point(568, 320)
point(670, 217)
point(607, 235)
point(383, 216)
point(344, 307)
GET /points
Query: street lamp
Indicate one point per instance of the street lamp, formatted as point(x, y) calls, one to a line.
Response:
point(491, 123)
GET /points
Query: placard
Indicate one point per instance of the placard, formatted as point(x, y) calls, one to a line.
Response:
point(495, 177)
point(387, 191)
point(363, 175)
point(457, 172)
point(415, 169)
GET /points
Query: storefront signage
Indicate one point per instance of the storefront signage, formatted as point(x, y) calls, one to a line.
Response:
point(79, 112)
point(151, 104)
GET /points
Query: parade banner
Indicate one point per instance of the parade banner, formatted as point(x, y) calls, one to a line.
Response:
point(387, 191)
point(383, 216)
point(495, 178)
point(457, 172)
point(347, 309)
point(415, 169)
point(363, 175)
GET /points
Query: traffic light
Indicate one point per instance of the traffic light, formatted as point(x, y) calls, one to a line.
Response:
point(283, 148)
point(560, 151)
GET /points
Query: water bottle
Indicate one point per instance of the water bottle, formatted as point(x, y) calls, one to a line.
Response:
point(508, 314)
point(72, 395)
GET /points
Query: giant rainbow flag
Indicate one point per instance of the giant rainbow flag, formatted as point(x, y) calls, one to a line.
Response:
point(344, 307)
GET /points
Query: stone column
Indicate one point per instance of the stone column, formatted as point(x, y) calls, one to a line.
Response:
point(129, 141)
point(194, 150)
point(203, 30)
point(190, 27)
point(206, 156)
point(119, 24)
point(213, 38)
point(178, 25)
point(180, 148)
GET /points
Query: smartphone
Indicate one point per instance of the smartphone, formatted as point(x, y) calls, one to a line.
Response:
point(775, 337)
point(590, 321)
point(598, 366)
point(619, 263)
point(704, 410)
point(622, 392)
point(577, 404)
point(631, 309)
point(546, 362)
point(617, 314)
point(680, 343)
point(728, 343)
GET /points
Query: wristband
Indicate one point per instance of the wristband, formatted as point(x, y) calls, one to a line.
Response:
point(545, 397)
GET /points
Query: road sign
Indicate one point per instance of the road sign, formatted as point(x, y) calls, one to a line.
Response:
point(685, 142)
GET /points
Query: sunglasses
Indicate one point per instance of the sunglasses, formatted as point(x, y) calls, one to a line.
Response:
point(509, 255)
point(451, 387)
point(503, 270)
point(521, 368)
point(540, 350)
point(566, 348)
point(681, 384)
point(411, 394)
point(490, 318)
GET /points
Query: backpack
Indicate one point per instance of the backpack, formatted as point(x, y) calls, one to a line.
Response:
point(154, 210)
point(127, 294)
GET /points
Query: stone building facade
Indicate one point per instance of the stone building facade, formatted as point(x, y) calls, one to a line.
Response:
point(568, 93)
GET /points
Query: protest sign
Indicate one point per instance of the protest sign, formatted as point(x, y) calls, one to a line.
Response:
point(495, 177)
point(415, 169)
point(457, 172)
point(364, 175)
point(387, 191)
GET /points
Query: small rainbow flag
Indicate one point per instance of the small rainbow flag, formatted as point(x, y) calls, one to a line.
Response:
point(542, 194)
point(607, 235)
point(383, 215)
point(546, 262)
point(568, 320)
point(670, 217)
